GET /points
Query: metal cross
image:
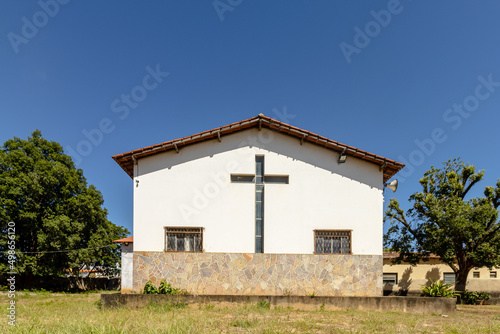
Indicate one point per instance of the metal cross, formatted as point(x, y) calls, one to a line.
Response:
point(260, 179)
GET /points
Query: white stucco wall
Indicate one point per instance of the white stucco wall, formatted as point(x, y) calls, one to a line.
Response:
point(193, 188)
point(127, 280)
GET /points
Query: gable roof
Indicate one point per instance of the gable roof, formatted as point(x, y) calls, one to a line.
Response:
point(126, 160)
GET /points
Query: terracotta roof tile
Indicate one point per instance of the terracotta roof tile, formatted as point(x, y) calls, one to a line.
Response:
point(128, 239)
point(126, 160)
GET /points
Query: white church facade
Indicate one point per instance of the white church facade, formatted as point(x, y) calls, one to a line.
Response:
point(257, 207)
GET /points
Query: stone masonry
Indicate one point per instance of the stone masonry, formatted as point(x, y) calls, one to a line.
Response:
point(262, 274)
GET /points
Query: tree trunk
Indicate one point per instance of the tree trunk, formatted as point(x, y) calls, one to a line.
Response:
point(461, 279)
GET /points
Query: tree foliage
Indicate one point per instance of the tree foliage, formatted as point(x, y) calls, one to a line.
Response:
point(463, 233)
point(53, 209)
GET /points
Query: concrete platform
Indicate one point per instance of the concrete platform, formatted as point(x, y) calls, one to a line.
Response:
point(493, 301)
point(402, 304)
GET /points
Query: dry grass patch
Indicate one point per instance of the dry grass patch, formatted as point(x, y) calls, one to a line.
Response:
point(80, 313)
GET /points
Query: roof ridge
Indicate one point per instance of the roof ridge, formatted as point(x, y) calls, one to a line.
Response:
point(127, 159)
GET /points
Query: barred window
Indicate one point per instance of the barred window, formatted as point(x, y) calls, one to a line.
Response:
point(449, 278)
point(390, 278)
point(184, 239)
point(332, 242)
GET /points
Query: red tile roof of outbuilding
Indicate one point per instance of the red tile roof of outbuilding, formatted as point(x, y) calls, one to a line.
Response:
point(127, 239)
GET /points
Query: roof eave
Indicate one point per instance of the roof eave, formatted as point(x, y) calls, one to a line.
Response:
point(127, 160)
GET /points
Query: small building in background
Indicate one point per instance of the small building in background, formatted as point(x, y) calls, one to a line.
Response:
point(127, 265)
point(405, 279)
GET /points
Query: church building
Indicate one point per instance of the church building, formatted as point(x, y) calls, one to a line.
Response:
point(257, 207)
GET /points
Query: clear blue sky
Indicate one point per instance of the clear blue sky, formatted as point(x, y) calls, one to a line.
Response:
point(378, 75)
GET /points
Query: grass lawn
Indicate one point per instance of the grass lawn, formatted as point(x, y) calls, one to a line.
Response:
point(80, 313)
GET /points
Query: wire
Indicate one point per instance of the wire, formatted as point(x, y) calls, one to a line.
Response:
point(63, 251)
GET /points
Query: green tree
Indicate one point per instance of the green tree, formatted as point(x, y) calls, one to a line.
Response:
point(463, 233)
point(53, 209)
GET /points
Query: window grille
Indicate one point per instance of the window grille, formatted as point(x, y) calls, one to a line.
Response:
point(184, 239)
point(449, 278)
point(390, 278)
point(332, 242)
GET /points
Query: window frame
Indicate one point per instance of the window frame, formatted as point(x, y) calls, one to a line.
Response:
point(184, 230)
point(476, 274)
point(326, 232)
point(493, 274)
point(445, 280)
point(395, 279)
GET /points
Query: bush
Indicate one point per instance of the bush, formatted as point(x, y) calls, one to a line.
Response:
point(471, 297)
point(438, 289)
point(484, 295)
point(164, 288)
point(150, 289)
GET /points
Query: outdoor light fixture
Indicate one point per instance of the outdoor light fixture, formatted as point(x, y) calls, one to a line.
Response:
point(393, 185)
point(342, 158)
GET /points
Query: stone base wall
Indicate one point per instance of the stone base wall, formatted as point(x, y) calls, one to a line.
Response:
point(262, 274)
